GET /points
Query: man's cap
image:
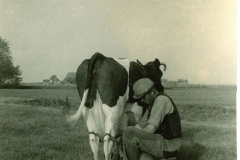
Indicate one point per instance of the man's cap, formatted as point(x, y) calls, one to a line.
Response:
point(141, 86)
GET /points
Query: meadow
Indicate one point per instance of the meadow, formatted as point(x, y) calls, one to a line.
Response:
point(33, 130)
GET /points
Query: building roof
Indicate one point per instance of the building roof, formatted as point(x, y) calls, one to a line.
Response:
point(70, 76)
point(46, 80)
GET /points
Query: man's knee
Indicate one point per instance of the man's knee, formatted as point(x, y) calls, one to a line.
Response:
point(130, 136)
point(129, 132)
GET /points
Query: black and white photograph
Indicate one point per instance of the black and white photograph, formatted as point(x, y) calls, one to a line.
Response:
point(118, 80)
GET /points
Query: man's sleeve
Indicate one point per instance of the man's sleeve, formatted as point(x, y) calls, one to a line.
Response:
point(162, 106)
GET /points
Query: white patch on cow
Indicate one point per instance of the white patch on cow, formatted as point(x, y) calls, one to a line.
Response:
point(112, 114)
point(95, 118)
point(98, 115)
point(103, 119)
point(124, 62)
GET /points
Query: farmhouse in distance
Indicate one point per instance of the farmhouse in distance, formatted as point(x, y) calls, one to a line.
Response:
point(69, 79)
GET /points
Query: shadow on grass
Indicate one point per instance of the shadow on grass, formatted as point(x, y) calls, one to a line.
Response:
point(19, 87)
point(191, 151)
point(38, 87)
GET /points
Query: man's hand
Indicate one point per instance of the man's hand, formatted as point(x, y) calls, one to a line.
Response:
point(138, 127)
point(149, 128)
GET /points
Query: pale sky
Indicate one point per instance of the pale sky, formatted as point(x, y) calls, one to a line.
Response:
point(197, 39)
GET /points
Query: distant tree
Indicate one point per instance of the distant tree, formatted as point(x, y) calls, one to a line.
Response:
point(53, 78)
point(56, 79)
point(9, 74)
point(182, 80)
point(164, 80)
point(179, 80)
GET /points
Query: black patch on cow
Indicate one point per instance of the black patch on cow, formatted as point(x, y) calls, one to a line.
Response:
point(151, 70)
point(154, 73)
point(81, 77)
point(112, 80)
point(136, 72)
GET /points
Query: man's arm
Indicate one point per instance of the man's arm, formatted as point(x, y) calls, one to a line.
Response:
point(161, 107)
point(149, 128)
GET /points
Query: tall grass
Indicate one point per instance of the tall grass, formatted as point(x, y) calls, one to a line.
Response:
point(36, 132)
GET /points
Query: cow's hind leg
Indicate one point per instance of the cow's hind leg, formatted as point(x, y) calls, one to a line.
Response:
point(94, 143)
point(92, 129)
point(108, 144)
point(112, 115)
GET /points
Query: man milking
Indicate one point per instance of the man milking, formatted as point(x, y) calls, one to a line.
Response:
point(157, 134)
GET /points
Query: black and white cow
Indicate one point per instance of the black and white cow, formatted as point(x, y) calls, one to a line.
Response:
point(105, 85)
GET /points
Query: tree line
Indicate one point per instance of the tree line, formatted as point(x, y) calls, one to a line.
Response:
point(9, 74)
point(176, 81)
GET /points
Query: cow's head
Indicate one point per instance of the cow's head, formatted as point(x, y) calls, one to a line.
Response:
point(154, 73)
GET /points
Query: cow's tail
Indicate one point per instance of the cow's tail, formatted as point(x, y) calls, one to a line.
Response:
point(74, 118)
point(97, 56)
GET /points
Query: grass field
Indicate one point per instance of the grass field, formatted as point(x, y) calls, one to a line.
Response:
point(34, 131)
